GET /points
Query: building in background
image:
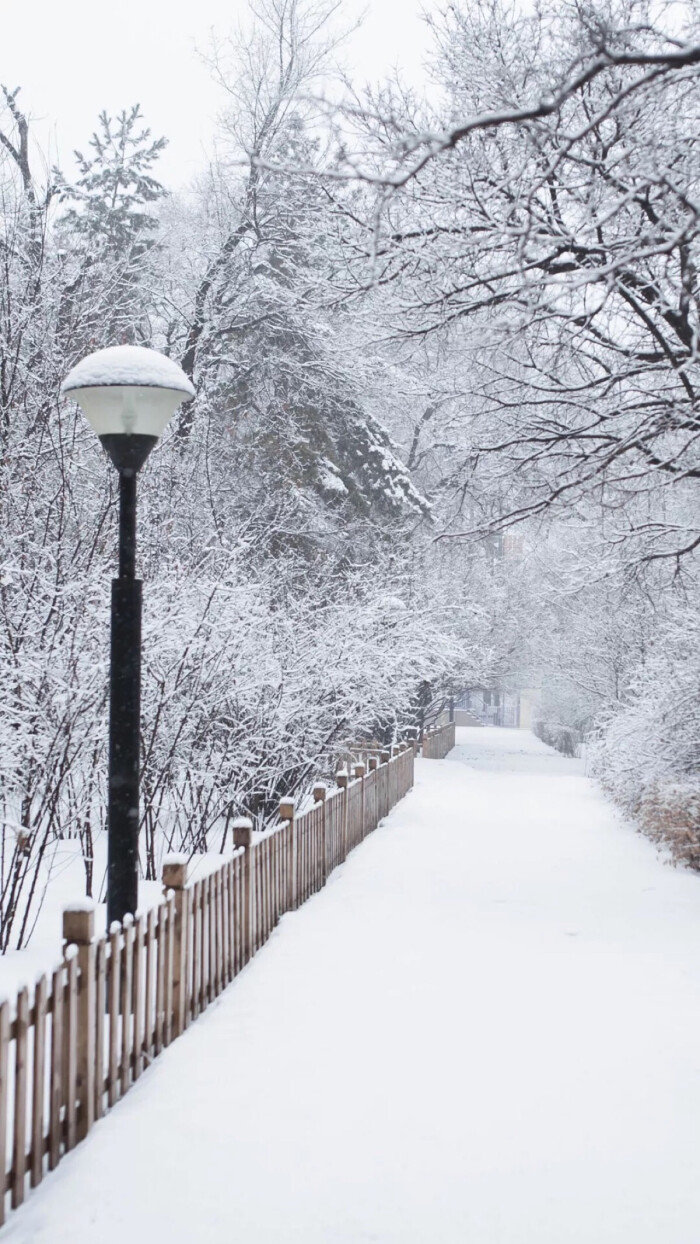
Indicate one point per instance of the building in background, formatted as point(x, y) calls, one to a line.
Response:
point(488, 706)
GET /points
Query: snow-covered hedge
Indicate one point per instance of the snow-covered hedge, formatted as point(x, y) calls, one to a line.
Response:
point(647, 754)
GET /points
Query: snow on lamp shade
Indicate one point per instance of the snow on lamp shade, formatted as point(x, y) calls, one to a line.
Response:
point(127, 390)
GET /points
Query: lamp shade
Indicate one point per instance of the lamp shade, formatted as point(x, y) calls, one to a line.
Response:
point(128, 390)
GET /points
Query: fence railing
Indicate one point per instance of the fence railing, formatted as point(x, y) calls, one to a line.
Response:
point(436, 743)
point(71, 1050)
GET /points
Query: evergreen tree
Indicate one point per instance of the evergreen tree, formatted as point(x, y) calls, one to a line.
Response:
point(108, 235)
point(116, 185)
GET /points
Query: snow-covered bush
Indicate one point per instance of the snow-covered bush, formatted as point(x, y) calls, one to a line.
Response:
point(647, 753)
point(563, 738)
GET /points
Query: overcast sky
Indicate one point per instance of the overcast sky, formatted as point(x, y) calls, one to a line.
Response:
point(73, 58)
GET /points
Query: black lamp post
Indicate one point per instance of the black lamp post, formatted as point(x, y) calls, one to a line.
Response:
point(128, 394)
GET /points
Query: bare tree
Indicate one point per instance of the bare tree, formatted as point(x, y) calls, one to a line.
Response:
point(555, 249)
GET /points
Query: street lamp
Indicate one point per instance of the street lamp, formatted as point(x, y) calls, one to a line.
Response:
point(128, 394)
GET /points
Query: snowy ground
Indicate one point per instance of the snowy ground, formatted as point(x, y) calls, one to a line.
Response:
point(485, 1030)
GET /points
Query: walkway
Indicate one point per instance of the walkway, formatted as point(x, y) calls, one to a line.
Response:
point(485, 1030)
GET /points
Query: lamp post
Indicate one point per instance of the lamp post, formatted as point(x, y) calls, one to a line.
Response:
point(128, 394)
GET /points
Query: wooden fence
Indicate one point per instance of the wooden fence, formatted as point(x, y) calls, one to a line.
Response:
point(91, 1028)
point(436, 743)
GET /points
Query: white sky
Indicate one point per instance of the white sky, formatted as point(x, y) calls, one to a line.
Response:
point(73, 58)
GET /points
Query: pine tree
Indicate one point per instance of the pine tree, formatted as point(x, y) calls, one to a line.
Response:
point(116, 184)
point(108, 233)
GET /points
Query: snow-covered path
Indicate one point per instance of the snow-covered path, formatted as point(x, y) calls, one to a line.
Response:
point(485, 1030)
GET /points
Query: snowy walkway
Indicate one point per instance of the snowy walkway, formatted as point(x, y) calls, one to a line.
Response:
point(485, 1030)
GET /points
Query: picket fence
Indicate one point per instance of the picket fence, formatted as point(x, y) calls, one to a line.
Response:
point(91, 1028)
point(437, 742)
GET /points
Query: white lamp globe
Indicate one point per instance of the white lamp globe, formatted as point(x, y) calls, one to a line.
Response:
point(128, 392)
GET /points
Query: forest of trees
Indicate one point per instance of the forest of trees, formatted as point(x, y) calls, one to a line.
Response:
point(412, 324)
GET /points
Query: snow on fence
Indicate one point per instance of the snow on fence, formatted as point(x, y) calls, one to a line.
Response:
point(112, 1005)
point(436, 743)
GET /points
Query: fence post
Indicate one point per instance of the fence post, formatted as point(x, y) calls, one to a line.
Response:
point(372, 766)
point(79, 930)
point(342, 780)
point(385, 776)
point(320, 792)
point(286, 813)
point(174, 878)
point(243, 837)
point(359, 772)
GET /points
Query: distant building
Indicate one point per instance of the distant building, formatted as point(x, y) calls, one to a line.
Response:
point(488, 706)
